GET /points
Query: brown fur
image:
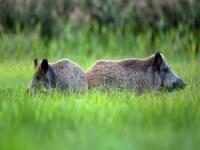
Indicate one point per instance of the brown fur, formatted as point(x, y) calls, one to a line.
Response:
point(39, 71)
point(135, 74)
point(63, 74)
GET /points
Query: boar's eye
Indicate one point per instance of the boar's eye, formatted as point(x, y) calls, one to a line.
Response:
point(166, 70)
point(38, 77)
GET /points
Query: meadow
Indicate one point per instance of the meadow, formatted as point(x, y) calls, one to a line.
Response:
point(99, 119)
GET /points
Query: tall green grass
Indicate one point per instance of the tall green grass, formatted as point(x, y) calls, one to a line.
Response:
point(81, 43)
point(97, 119)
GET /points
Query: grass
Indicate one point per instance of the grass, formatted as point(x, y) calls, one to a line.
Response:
point(95, 119)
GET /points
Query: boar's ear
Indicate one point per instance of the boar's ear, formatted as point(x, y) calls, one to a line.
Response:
point(35, 62)
point(44, 65)
point(158, 61)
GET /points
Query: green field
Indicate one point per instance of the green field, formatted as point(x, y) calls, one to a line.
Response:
point(97, 119)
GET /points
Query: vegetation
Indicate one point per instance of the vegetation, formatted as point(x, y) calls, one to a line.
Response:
point(97, 119)
point(81, 43)
point(85, 31)
point(134, 15)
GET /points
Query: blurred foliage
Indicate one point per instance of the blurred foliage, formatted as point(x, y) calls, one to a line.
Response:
point(17, 15)
point(132, 15)
point(81, 44)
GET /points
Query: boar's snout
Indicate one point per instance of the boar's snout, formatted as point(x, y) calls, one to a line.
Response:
point(179, 84)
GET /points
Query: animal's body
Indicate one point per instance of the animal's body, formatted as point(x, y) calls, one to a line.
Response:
point(63, 74)
point(138, 74)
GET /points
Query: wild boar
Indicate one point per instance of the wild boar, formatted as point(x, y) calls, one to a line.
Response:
point(63, 74)
point(138, 74)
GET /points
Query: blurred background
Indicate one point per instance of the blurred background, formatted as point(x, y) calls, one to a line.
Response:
point(85, 31)
point(98, 28)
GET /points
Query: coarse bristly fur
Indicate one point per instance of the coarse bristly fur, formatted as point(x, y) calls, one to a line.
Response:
point(138, 74)
point(63, 74)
